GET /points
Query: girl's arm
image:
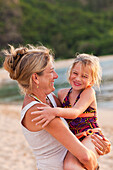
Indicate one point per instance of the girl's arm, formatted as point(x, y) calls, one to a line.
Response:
point(87, 97)
point(47, 114)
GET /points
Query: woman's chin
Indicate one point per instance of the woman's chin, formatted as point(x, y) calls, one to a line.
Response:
point(53, 89)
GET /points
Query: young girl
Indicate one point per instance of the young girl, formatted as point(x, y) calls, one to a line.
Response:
point(79, 102)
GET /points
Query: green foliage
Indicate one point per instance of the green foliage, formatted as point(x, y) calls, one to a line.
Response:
point(66, 26)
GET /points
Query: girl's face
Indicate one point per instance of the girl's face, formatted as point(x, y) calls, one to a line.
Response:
point(80, 77)
point(46, 80)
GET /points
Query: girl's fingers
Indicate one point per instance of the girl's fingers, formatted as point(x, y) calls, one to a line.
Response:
point(38, 111)
point(35, 112)
point(37, 118)
point(40, 108)
point(45, 124)
point(41, 121)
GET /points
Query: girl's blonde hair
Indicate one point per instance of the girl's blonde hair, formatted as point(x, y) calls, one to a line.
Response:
point(22, 62)
point(89, 61)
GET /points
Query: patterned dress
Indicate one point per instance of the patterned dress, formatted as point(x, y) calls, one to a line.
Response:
point(80, 124)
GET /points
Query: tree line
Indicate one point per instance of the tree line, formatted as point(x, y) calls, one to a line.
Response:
point(66, 26)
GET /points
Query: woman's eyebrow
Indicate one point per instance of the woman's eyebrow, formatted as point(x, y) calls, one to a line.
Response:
point(52, 68)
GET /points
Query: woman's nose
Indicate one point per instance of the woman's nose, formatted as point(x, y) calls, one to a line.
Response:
point(55, 75)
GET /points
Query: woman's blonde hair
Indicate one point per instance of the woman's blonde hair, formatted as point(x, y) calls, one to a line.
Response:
point(89, 61)
point(22, 62)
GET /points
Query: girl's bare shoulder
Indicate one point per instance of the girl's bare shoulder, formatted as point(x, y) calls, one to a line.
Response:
point(62, 93)
point(90, 91)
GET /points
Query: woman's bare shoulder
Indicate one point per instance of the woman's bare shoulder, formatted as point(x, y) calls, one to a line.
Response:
point(27, 120)
point(62, 93)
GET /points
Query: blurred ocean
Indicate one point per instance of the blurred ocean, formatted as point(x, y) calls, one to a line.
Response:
point(9, 92)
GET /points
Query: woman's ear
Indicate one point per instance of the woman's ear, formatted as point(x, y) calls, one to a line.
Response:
point(35, 78)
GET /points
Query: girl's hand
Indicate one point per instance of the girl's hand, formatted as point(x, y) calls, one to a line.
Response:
point(102, 144)
point(44, 115)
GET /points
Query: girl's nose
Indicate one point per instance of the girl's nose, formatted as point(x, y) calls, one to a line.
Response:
point(78, 78)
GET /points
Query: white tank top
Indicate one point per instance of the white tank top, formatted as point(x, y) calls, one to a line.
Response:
point(48, 151)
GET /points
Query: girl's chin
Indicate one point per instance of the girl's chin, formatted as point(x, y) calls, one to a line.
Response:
point(76, 87)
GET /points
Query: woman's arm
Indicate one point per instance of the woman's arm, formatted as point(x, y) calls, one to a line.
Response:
point(102, 145)
point(58, 130)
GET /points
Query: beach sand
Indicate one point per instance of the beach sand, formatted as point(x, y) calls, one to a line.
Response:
point(14, 150)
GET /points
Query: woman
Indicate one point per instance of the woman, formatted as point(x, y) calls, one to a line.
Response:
point(34, 71)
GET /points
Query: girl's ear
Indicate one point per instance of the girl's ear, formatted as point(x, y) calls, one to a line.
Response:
point(91, 83)
point(35, 78)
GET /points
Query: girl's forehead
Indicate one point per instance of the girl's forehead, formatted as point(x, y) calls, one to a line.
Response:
point(82, 66)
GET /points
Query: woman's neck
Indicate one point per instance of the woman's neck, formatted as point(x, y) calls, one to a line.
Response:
point(39, 95)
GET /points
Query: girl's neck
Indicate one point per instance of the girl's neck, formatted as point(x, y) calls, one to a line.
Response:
point(73, 96)
point(76, 92)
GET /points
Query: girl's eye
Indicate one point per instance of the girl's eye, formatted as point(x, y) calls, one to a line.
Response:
point(85, 77)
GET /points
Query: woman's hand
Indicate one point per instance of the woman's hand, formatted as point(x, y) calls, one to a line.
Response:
point(44, 115)
point(102, 144)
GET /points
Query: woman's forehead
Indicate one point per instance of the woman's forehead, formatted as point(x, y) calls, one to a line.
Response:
point(50, 66)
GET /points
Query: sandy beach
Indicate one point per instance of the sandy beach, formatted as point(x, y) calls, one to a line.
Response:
point(14, 151)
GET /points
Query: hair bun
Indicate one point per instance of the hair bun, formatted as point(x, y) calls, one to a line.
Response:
point(12, 60)
point(16, 57)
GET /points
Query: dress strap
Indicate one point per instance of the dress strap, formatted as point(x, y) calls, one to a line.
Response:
point(78, 97)
point(70, 90)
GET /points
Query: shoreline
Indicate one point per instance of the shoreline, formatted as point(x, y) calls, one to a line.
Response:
point(67, 62)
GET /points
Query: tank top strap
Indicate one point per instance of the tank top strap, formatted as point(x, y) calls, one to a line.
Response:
point(51, 98)
point(28, 106)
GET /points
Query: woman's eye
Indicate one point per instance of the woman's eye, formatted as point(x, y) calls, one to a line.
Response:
point(75, 73)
